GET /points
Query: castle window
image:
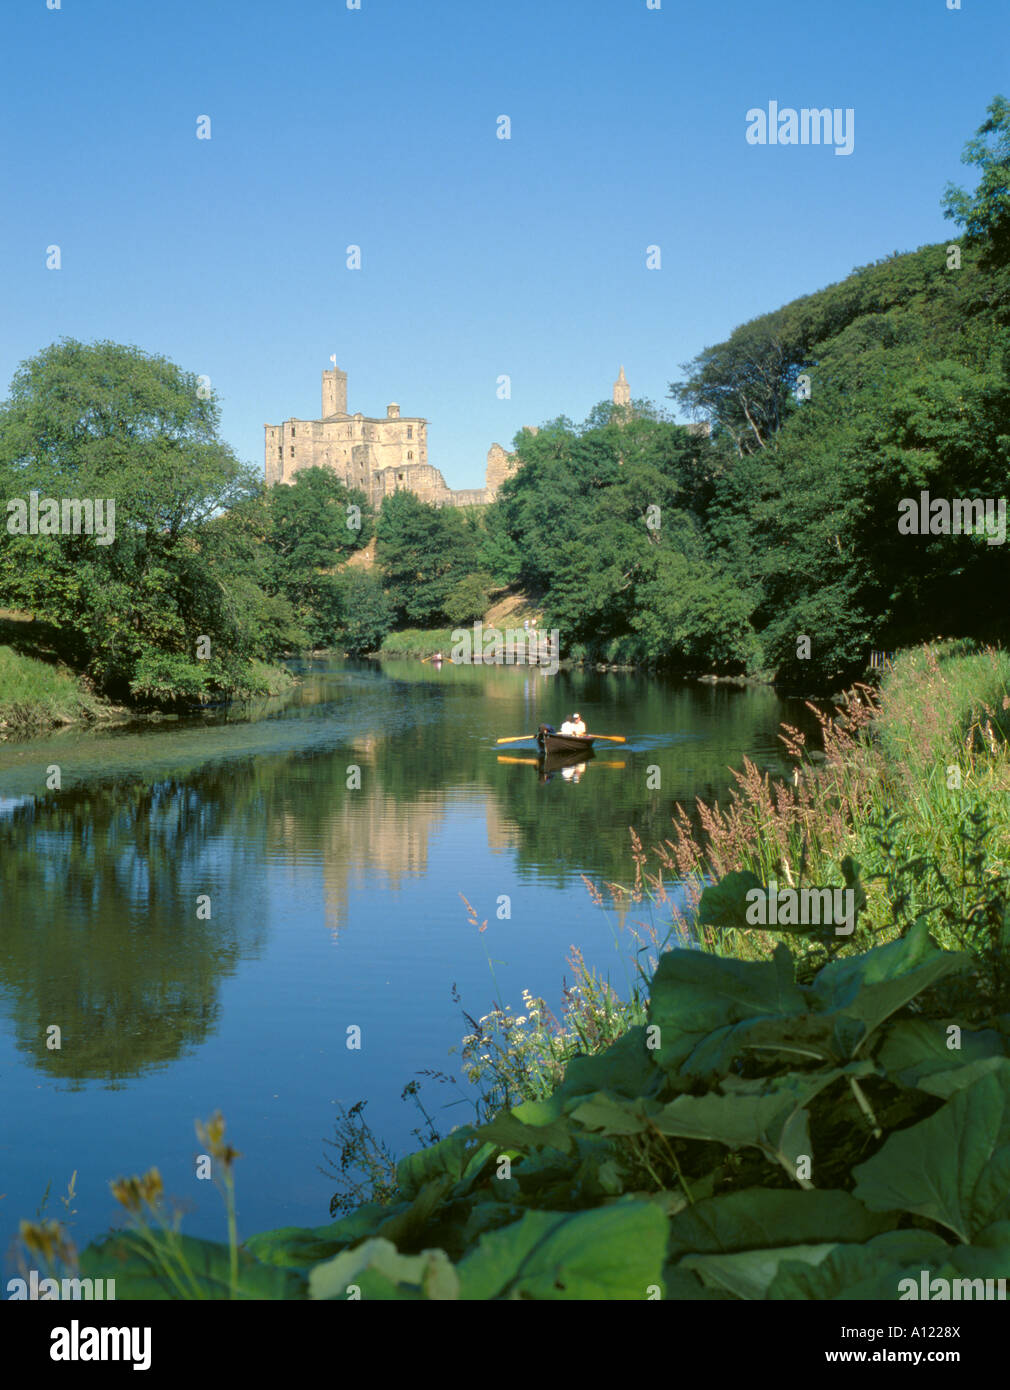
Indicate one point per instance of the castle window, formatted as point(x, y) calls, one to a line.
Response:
point(410, 454)
point(291, 451)
point(410, 431)
point(401, 477)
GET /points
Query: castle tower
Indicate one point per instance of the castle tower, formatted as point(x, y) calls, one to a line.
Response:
point(334, 393)
point(622, 391)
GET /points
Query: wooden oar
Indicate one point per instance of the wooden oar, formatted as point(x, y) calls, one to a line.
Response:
point(608, 738)
point(519, 738)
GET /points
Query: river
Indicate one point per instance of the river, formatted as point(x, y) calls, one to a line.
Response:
point(204, 907)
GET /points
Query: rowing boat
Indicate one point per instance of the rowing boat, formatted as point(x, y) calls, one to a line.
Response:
point(551, 742)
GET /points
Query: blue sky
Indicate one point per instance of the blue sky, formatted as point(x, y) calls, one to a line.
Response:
point(480, 256)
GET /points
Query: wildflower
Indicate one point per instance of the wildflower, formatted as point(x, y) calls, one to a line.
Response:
point(211, 1136)
point(127, 1193)
point(46, 1238)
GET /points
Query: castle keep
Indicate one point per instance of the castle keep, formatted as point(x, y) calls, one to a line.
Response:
point(379, 456)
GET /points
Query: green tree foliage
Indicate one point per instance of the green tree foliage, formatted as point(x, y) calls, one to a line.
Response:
point(311, 527)
point(604, 517)
point(423, 552)
point(906, 362)
point(467, 600)
point(366, 612)
point(985, 215)
point(315, 522)
point(104, 421)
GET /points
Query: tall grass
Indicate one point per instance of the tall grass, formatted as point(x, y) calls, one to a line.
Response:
point(914, 777)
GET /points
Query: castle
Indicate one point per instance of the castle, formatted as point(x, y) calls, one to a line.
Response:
point(380, 456)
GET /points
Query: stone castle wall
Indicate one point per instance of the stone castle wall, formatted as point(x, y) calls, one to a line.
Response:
point(379, 456)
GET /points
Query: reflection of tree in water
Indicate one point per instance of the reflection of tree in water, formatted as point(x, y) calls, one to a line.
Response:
point(99, 932)
point(99, 884)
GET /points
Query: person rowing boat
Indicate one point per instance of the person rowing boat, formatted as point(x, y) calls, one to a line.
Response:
point(574, 727)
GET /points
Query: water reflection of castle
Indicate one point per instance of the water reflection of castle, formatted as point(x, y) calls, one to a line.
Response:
point(372, 834)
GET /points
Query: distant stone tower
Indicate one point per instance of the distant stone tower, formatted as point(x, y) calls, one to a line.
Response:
point(334, 393)
point(622, 391)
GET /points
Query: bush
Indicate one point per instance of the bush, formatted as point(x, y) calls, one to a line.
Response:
point(467, 601)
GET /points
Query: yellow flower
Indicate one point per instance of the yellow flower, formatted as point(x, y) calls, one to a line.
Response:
point(43, 1238)
point(151, 1187)
point(127, 1193)
point(211, 1136)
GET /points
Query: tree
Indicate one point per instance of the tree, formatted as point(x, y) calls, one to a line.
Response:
point(588, 510)
point(423, 551)
point(467, 600)
point(985, 214)
point(366, 612)
point(315, 522)
point(107, 422)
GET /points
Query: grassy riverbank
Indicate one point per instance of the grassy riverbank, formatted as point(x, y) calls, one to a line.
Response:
point(37, 695)
point(781, 1115)
point(417, 642)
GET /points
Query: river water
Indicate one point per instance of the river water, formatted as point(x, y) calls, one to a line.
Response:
point(205, 906)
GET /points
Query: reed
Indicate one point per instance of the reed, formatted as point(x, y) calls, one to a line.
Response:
point(907, 781)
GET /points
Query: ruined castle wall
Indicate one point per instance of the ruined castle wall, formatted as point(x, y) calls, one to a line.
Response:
point(424, 481)
point(500, 466)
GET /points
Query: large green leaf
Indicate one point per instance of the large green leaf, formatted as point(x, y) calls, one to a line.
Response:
point(126, 1258)
point(988, 1256)
point(870, 987)
point(848, 1272)
point(508, 1131)
point(297, 1247)
point(916, 1053)
point(693, 994)
point(685, 1284)
point(611, 1116)
point(768, 1114)
point(724, 904)
point(626, 1068)
point(461, 1157)
point(798, 1038)
point(759, 1217)
point(953, 1168)
point(911, 1244)
point(748, 1273)
point(870, 1271)
point(614, 1252)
